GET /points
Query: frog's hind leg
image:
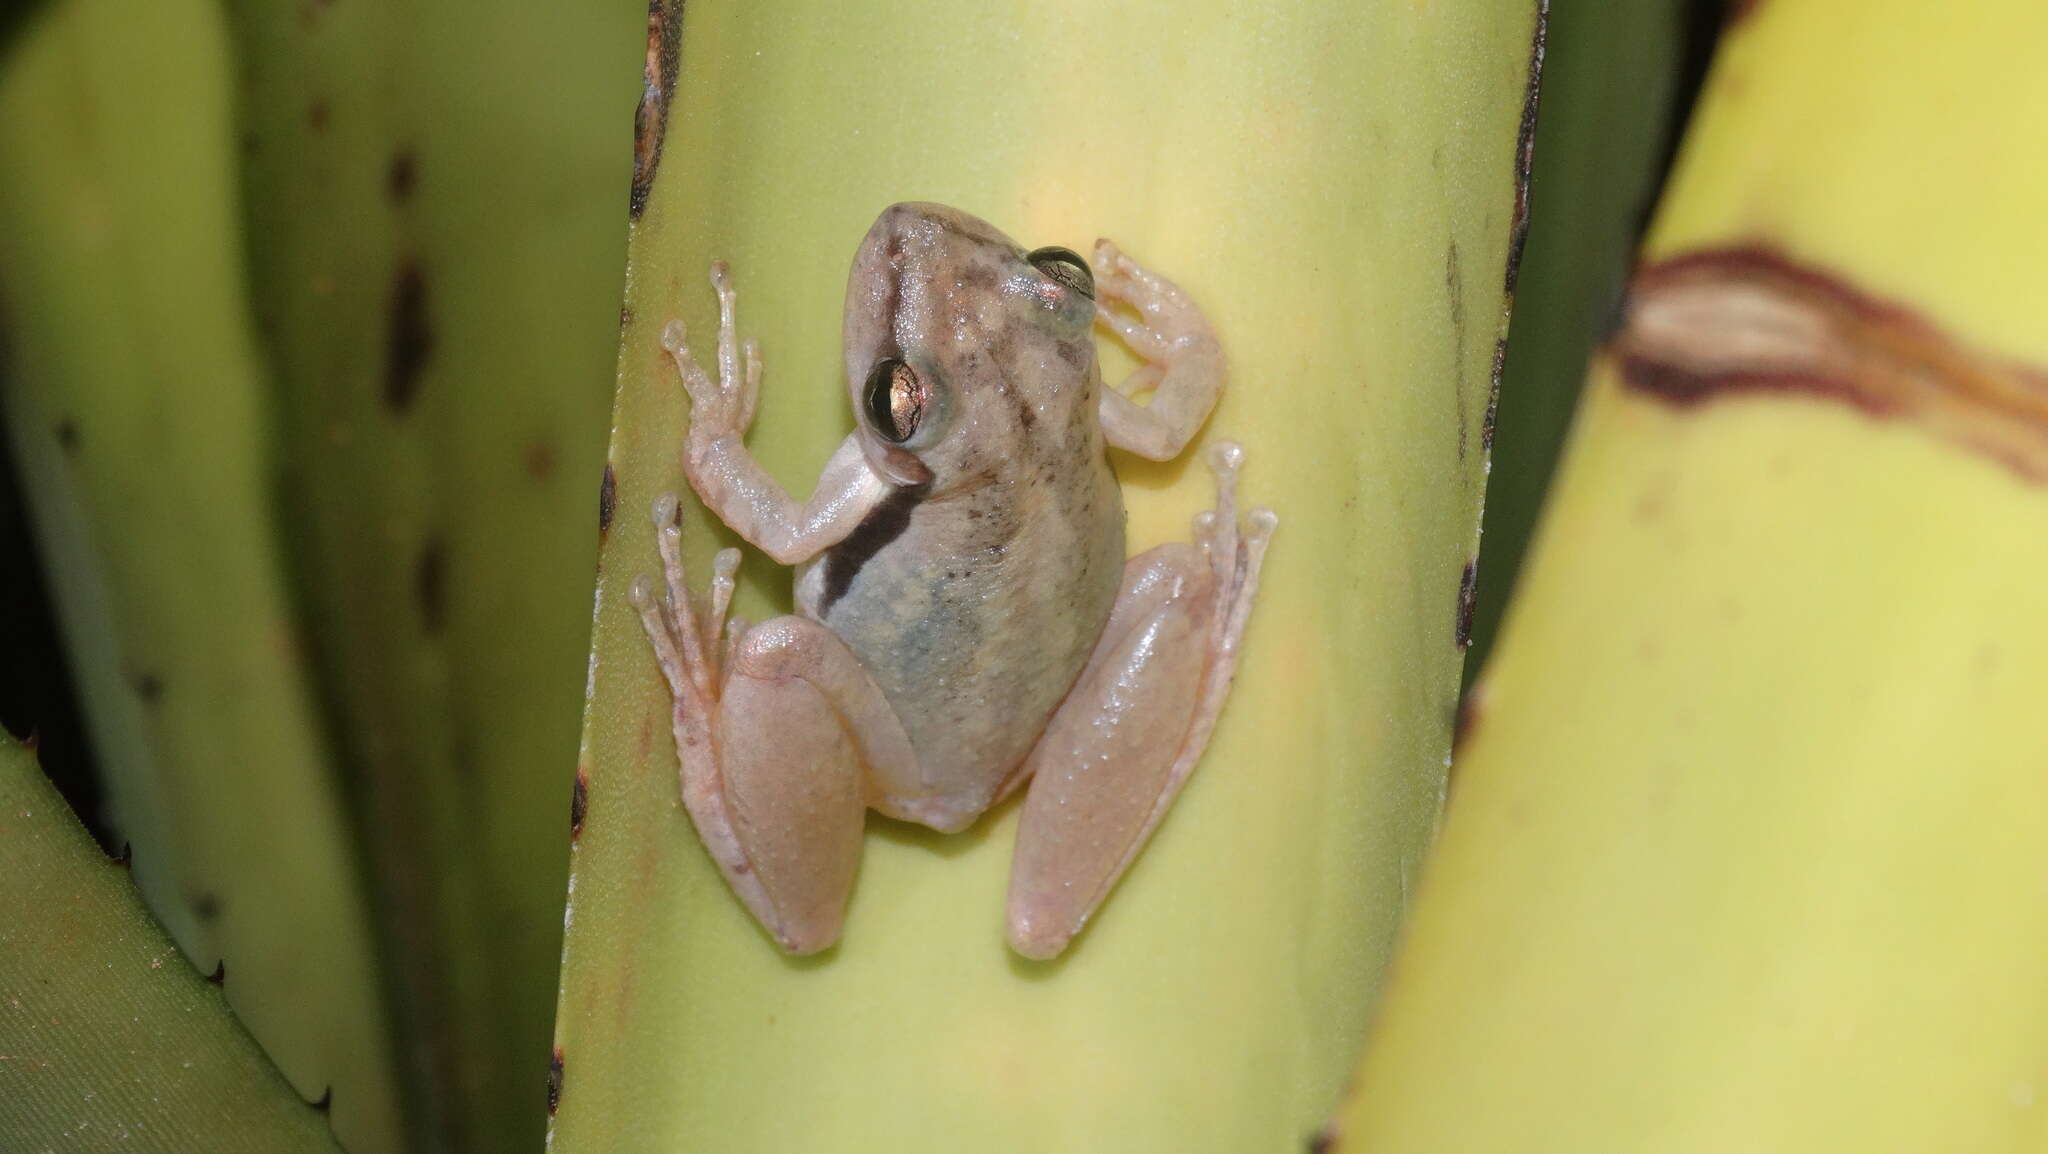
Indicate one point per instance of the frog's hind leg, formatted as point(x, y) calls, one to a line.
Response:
point(774, 730)
point(1126, 738)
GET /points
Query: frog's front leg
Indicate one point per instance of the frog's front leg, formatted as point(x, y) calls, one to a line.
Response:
point(1126, 738)
point(1183, 364)
point(728, 479)
point(777, 730)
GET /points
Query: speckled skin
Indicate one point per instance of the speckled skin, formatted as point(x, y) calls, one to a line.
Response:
point(975, 598)
point(966, 619)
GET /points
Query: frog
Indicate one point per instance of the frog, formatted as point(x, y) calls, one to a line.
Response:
point(966, 622)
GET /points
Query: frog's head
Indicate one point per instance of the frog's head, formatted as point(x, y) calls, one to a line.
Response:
point(962, 346)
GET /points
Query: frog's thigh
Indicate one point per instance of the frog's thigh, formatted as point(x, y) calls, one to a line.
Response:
point(797, 718)
point(1119, 748)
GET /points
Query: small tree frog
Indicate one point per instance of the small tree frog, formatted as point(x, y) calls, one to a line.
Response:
point(966, 622)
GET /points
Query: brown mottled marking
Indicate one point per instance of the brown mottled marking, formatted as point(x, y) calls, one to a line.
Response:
point(658, 85)
point(1323, 1141)
point(409, 339)
point(554, 1081)
point(1468, 596)
point(1748, 320)
point(607, 499)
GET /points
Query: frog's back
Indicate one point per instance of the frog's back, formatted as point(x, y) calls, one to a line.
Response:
point(974, 609)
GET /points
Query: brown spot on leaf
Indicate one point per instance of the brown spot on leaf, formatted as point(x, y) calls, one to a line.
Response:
point(409, 340)
point(219, 976)
point(579, 803)
point(1718, 322)
point(1471, 708)
point(607, 499)
point(205, 905)
point(540, 460)
point(318, 113)
point(625, 317)
point(1323, 1141)
point(149, 687)
point(403, 175)
point(1740, 10)
point(1468, 596)
point(554, 1081)
point(429, 584)
point(658, 76)
point(67, 435)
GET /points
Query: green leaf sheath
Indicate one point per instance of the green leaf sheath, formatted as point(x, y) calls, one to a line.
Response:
point(1337, 186)
point(136, 399)
point(435, 199)
point(109, 1039)
point(1610, 79)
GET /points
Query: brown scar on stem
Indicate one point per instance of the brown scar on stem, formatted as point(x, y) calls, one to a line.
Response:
point(1749, 320)
point(607, 499)
point(554, 1081)
point(579, 803)
point(1468, 600)
point(658, 86)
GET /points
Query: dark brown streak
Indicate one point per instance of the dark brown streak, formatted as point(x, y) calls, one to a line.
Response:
point(1748, 320)
point(607, 499)
point(1468, 598)
point(658, 86)
point(409, 340)
point(579, 803)
point(883, 524)
point(1518, 228)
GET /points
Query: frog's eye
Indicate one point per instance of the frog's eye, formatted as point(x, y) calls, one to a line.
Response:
point(896, 399)
point(1065, 266)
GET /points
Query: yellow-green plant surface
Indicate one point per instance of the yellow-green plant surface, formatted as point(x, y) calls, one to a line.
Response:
point(1748, 847)
point(135, 399)
point(434, 194)
point(1337, 186)
point(109, 1039)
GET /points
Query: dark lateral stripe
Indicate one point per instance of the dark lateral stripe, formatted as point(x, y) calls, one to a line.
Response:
point(1749, 320)
point(884, 524)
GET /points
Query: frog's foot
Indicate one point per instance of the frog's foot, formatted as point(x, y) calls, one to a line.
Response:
point(1126, 738)
point(773, 726)
point(724, 408)
point(1183, 364)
